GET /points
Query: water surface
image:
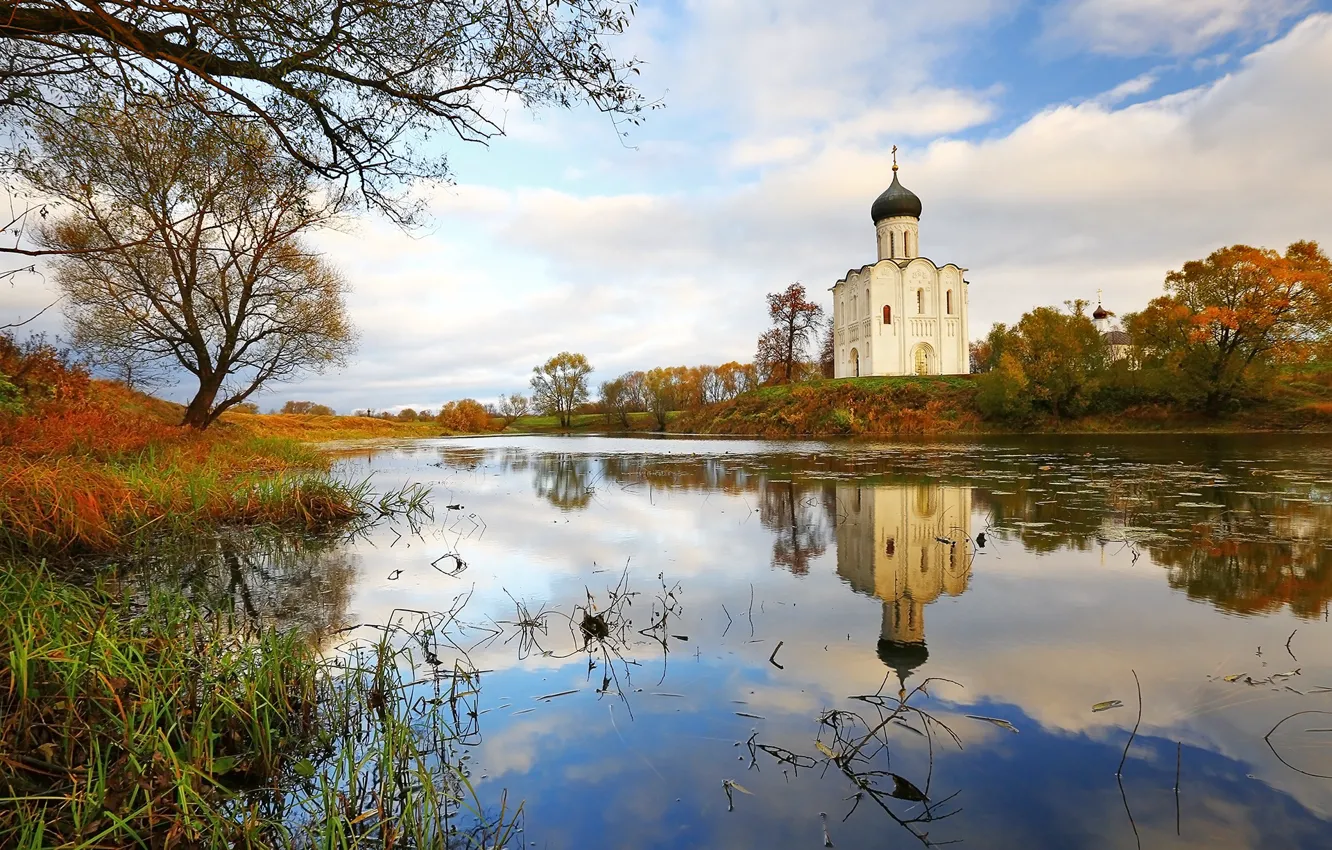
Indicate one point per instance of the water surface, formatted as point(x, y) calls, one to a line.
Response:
point(1024, 581)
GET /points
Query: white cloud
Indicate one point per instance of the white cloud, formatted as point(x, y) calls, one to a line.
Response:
point(1177, 27)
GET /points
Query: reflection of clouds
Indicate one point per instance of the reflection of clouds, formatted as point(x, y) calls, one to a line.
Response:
point(1044, 629)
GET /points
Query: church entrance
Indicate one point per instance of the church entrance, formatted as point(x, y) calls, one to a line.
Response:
point(923, 360)
point(855, 363)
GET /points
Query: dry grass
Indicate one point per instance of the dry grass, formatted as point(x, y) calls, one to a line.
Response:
point(109, 467)
point(310, 428)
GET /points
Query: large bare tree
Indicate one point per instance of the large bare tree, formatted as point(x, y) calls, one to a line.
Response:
point(353, 90)
point(181, 243)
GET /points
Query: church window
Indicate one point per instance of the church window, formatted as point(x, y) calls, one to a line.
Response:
point(950, 302)
point(867, 304)
point(892, 244)
point(887, 314)
point(920, 301)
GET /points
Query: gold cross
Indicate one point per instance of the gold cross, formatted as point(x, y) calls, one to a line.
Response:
point(894, 157)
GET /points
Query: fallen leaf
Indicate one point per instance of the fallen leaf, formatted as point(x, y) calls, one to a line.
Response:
point(904, 790)
point(1108, 704)
point(1002, 724)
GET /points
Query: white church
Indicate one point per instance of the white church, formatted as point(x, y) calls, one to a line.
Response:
point(902, 315)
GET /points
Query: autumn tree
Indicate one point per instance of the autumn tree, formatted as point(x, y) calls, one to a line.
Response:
point(1048, 360)
point(354, 91)
point(466, 416)
point(560, 385)
point(181, 242)
point(783, 349)
point(1239, 309)
point(622, 396)
point(828, 353)
point(306, 407)
point(512, 407)
point(661, 393)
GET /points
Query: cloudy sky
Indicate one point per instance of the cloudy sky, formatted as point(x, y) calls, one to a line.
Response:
point(1059, 147)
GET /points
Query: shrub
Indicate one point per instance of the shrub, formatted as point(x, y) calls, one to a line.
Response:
point(465, 415)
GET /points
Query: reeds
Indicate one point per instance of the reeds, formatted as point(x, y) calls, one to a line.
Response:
point(167, 728)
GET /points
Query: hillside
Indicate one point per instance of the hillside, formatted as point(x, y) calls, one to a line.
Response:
point(940, 405)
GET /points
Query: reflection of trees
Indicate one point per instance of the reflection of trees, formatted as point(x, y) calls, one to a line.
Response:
point(1249, 552)
point(261, 579)
point(801, 515)
point(565, 480)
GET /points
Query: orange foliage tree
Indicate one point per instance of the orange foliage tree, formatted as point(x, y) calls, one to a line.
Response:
point(783, 349)
point(1238, 309)
point(466, 415)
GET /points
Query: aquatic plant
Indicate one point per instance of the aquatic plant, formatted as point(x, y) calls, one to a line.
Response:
point(165, 726)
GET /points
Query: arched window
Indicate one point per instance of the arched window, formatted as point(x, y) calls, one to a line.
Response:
point(950, 302)
point(920, 302)
point(906, 243)
point(854, 307)
point(887, 314)
point(867, 304)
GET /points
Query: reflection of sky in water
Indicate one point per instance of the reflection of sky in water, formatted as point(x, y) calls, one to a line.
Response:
point(1178, 558)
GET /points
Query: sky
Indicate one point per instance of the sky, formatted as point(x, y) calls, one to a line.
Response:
point(1059, 147)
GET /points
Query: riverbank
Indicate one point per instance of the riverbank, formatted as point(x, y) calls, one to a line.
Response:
point(108, 468)
point(946, 405)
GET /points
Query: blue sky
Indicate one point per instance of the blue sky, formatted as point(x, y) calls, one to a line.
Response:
point(1059, 147)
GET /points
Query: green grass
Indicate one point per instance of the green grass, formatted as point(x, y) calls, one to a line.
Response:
point(586, 422)
point(142, 721)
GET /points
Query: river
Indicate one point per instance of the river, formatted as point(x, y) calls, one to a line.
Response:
point(690, 643)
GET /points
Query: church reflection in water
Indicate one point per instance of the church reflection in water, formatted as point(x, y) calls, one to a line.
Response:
point(906, 545)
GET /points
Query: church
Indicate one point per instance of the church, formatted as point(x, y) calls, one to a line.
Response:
point(902, 315)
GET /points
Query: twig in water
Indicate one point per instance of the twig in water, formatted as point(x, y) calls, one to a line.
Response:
point(1179, 750)
point(751, 609)
point(1288, 650)
point(772, 659)
point(1132, 735)
point(729, 621)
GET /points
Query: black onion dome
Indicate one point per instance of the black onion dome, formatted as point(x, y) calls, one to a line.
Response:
point(895, 200)
point(902, 656)
point(1100, 313)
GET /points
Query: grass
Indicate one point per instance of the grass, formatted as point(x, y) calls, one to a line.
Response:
point(112, 470)
point(892, 406)
point(310, 428)
point(144, 722)
point(584, 422)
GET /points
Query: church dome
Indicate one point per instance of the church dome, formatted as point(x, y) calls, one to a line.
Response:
point(1100, 313)
point(896, 200)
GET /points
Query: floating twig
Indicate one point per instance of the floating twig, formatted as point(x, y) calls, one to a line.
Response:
point(1132, 735)
point(772, 659)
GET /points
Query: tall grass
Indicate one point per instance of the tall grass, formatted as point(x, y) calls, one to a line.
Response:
point(164, 727)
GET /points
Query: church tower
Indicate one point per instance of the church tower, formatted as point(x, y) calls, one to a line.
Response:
point(896, 215)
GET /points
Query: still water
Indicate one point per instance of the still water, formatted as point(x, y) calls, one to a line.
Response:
point(690, 643)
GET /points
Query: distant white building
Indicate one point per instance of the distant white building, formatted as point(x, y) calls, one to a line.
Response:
point(902, 315)
point(1116, 340)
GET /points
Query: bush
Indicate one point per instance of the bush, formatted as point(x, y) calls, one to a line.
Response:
point(307, 407)
point(466, 415)
point(1003, 393)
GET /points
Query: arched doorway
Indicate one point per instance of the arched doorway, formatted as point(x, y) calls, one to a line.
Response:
point(855, 363)
point(922, 360)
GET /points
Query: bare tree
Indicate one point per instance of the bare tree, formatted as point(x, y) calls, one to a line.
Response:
point(179, 247)
point(350, 89)
point(511, 408)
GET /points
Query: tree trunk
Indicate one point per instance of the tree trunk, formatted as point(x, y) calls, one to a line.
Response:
point(197, 413)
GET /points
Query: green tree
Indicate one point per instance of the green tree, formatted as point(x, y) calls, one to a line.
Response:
point(181, 242)
point(560, 385)
point(1002, 392)
point(1061, 353)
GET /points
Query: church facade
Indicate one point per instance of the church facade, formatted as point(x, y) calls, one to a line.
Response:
point(902, 315)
